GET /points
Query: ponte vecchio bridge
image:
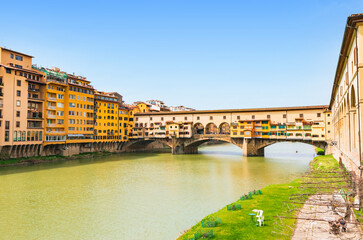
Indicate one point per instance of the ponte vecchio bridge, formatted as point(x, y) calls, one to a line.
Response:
point(250, 129)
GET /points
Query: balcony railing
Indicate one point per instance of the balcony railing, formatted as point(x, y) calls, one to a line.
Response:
point(35, 115)
point(52, 125)
point(52, 116)
point(35, 98)
point(34, 89)
point(1, 105)
point(51, 107)
point(52, 99)
point(55, 132)
point(34, 127)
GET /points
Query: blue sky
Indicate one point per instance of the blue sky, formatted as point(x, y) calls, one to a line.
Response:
point(203, 54)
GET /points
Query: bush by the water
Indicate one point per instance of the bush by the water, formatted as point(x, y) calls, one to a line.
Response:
point(320, 151)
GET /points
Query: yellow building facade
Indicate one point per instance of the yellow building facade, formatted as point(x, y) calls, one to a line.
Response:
point(113, 121)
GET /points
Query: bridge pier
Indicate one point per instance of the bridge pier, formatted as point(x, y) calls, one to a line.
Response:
point(181, 149)
point(252, 147)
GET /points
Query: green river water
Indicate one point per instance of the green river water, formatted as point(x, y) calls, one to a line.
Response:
point(136, 196)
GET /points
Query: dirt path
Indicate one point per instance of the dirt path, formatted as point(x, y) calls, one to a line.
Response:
point(311, 230)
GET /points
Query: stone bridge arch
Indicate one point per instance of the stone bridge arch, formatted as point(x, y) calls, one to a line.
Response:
point(224, 128)
point(198, 128)
point(211, 128)
point(256, 146)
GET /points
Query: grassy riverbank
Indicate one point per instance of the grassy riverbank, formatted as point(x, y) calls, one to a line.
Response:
point(52, 158)
point(238, 225)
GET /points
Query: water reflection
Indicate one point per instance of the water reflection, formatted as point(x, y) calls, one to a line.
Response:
point(134, 196)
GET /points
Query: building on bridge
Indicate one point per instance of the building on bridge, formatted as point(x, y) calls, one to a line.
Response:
point(346, 97)
point(310, 124)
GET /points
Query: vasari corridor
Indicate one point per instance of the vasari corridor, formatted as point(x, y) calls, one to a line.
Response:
point(185, 120)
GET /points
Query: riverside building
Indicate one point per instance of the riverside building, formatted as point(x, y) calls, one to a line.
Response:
point(48, 111)
point(22, 90)
point(346, 97)
point(112, 119)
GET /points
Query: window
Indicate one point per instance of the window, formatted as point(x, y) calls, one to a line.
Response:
point(198, 118)
point(7, 124)
point(284, 116)
point(60, 96)
point(18, 83)
point(268, 116)
point(17, 124)
point(162, 119)
point(18, 93)
point(224, 117)
point(8, 70)
point(20, 58)
point(253, 117)
point(6, 136)
point(151, 118)
point(210, 118)
point(173, 118)
point(185, 118)
point(318, 114)
point(328, 123)
point(11, 55)
point(301, 115)
point(18, 103)
point(238, 117)
point(17, 113)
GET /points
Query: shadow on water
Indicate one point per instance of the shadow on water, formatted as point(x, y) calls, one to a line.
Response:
point(69, 163)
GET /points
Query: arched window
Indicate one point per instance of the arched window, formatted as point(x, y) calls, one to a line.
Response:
point(15, 136)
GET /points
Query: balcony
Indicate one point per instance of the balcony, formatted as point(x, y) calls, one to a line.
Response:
point(1, 94)
point(34, 89)
point(35, 98)
point(52, 107)
point(35, 115)
point(52, 125)
point(52, 99)
point(51, 116)
point(34, 126)
point(56, 132)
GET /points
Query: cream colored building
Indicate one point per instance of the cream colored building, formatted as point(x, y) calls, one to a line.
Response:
point(346, 96)
point(220, 121)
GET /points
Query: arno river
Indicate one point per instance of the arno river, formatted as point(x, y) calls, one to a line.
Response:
point(136, 196)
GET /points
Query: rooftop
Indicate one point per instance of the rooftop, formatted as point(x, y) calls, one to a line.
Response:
point(7, 49)
point(322, 107)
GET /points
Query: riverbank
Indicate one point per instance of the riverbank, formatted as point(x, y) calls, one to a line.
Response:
point(53, 158)
point(238, 225)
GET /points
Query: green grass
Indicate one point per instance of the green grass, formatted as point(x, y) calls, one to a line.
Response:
point(237, 224)
point(325, 163)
